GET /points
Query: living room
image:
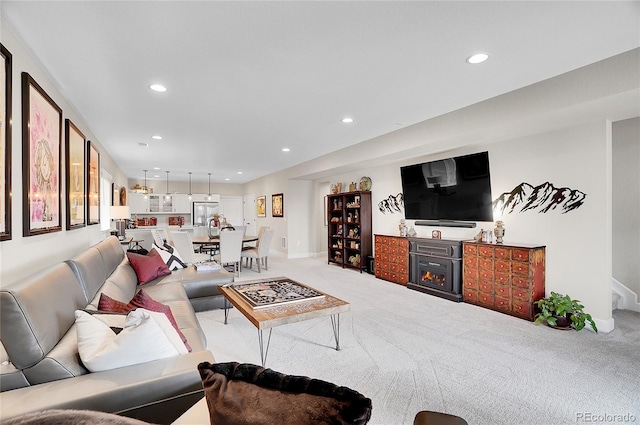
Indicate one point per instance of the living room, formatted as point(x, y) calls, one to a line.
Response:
point(577, 130)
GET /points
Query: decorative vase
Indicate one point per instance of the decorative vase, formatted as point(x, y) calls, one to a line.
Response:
point(499, 231)
point(412, 232)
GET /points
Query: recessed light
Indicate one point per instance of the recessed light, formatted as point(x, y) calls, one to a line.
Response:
point(158, 87)
point(156, 168)
point(347, 120)
point(156, 137)
point(227, 179)
point(144, 145)
point(477, 58)
point(239, 172)
point(286, 150)
point(156, 175)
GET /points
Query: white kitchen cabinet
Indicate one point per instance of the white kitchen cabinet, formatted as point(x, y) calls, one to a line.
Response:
point(181, 203)
point(138, 203)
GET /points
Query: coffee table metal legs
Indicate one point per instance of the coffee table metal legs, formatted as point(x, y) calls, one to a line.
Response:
point(264, 350)
point(335, 324)
point(227, 305)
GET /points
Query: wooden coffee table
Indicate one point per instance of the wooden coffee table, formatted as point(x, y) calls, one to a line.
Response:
point(281, 314)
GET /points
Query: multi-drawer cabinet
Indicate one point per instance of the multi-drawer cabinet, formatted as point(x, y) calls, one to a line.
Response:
point(392, 258)
point(505, 278)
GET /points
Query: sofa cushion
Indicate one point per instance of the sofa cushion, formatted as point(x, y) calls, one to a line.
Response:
point(248, 394)
point(170, 256)
point(36, 314)
point(145, 336)
point(141, 300)
point(148, 267)
point(121, 285)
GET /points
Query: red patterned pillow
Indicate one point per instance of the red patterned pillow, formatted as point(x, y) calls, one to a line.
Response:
point(140, 300)
point(148, 267)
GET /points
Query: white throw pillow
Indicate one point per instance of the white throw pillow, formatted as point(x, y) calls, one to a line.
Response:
point(146, 336)
point(170, 256)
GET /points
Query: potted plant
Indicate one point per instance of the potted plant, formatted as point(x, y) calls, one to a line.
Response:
point(561, 312)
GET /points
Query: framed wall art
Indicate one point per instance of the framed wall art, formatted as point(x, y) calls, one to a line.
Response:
point(115, 195)
point(75, 157)
point(93, 184)
point(5, 143)
point(41, 151)
point(277, 205)
point(261, 205)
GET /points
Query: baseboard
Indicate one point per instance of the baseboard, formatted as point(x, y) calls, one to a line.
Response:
point(604, 326)
point(302, 255)
point(629, 300)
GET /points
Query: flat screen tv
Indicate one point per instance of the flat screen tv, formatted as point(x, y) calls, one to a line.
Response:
point(452, 189)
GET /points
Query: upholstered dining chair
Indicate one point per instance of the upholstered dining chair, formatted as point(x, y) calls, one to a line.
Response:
point(260, 252)
point(159, 236)
point(230, 249)
point(260, 232)
point(183, 244)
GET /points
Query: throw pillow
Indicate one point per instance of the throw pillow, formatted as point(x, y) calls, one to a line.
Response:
point(141, 300)
point(241, 394)
point(148, 267)
point(146, 336)
point(170, 256)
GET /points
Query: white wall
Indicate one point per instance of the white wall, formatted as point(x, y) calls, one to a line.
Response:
point(301, 206)
point(22, 256)
point(267, 186)
point(626, 203)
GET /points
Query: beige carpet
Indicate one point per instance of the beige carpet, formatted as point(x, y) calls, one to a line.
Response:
point(409, 351)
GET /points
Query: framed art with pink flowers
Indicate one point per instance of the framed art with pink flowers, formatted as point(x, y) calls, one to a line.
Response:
point(41, 151)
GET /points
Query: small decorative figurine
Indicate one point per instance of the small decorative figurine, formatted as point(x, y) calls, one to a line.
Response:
point(499, 231)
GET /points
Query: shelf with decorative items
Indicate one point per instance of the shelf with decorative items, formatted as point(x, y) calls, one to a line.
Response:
point(349, 229)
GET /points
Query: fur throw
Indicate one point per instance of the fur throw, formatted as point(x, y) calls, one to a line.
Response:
point(246, 394)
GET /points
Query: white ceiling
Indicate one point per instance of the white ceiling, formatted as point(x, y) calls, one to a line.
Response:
point(246, 79)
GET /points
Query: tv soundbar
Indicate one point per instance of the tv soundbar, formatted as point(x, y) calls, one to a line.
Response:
point(445, 223)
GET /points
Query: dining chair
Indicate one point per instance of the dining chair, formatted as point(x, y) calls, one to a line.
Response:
point(260, 232)
point(230, 249)
point(159, 236)
point(243, 228)
point(183, 244)
point(260, 252)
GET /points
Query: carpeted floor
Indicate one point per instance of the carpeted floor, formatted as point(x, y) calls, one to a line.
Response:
point(409, 351)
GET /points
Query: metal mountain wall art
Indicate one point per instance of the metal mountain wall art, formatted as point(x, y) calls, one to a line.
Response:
point(392, 204)
point(542, 198)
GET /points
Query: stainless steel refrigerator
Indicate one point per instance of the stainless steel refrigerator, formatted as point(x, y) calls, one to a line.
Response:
point(203, 211)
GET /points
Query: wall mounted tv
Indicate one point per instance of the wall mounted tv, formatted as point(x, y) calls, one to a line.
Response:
point(452, 189)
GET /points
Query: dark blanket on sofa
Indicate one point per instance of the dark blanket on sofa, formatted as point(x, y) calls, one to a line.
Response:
point(246, 394)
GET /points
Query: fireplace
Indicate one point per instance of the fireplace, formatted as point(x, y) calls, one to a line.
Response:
point(436, 267)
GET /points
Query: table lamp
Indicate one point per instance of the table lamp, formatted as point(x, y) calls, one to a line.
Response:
point(120, 213)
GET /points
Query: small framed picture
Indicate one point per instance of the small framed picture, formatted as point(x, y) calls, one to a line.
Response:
point(93, 189)
point(261, 205)
point(436, 234)
point(75, 154)
point(277, 205)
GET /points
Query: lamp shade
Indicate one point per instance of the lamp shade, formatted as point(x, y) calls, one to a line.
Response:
point(119, 212)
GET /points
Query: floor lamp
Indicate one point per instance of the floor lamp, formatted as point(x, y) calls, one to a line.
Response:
point(120, 213)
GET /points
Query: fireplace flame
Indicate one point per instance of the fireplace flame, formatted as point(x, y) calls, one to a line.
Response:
point(438, 279)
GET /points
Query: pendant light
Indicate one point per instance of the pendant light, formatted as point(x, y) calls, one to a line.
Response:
point(144, 189)
point(190, 184)
point(167, 197)
point(209, 194)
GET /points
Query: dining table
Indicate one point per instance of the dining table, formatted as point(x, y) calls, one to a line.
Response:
point(206, 240)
